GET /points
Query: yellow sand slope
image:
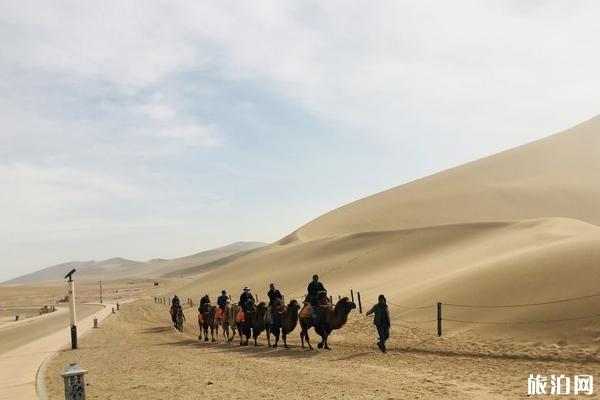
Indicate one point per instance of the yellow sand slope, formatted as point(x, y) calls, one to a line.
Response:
point(518, 227)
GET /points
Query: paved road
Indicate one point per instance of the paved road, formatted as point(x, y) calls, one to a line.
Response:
point(30, 330)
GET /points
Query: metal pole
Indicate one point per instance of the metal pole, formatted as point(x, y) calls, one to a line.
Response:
point(439, 319)
point(352, 295)
point(100, 282)
point(73, 314)
point(118, 305)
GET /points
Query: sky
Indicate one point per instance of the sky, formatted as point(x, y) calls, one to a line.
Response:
point(147, 129)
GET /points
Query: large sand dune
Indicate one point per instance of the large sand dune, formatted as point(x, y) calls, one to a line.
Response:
point(518, 227)
point(553, 177)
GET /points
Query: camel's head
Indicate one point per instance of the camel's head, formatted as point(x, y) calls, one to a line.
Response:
point(294, 306)
point(262, 307)
point(345, 304)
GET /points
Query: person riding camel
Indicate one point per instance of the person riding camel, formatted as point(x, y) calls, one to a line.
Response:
point(244, 298)
point(222, 302)
point(275, 302)
point(203, 307)
point(314, 288)
point(174, 305)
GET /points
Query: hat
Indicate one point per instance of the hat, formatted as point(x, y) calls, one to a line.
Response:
point(246, 288)
point(223, 292)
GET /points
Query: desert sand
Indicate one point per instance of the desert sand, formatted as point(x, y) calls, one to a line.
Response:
point(148, 359)
point(510, 245)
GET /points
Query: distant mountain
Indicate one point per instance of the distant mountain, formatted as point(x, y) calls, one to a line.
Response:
point(120, 268)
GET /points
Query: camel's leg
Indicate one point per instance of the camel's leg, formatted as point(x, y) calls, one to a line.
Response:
point(305, 332)
point(232, 336)
point(325, 345)
point(276, 337)
point(284, 337)
point(269, 337)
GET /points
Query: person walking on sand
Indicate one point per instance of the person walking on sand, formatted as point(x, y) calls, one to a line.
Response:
point(381, 321)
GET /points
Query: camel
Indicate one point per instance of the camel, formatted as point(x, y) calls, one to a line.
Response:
point(204, 321)
point(228, 321)
point(284, 323)
point(328, 319)
point(254, 322)
point(244, 326)
point(259, 320)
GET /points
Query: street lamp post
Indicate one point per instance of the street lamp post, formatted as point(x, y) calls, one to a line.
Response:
point(73, 314)
point(100, 282)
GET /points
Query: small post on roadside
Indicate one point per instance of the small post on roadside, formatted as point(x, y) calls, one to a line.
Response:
point(352, 295)
point(117, 295)
point(72, 311)
point(95, 322)
point(439, 319)
point(74, 382)
point(100, 282)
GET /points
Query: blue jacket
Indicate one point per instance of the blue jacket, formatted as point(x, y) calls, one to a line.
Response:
point(222, 300)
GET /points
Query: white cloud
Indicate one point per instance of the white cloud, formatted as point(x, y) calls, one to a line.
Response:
point(37, 197)
point(87, 87)
point(158, 112)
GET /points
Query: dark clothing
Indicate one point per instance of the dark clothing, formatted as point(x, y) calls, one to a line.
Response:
point(204, 303)
point(382, 314)
point(313, 290)
point(222, 301)
point(244, 300)
point(384, 334)
point(382, 322)
point(274, 297)
point(175, 301)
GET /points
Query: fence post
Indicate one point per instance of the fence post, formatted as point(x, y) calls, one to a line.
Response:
point(331, 299)
point(439, 319)
point(359, 303)
point(352, 295)
point(339, 297)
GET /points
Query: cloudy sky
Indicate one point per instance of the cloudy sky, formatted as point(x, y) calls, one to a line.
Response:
point(157, 129)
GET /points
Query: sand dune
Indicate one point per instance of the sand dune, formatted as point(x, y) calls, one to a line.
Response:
point(517, 227)
point(553, 177)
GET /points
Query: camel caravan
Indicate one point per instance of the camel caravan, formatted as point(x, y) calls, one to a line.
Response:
point(248, 319)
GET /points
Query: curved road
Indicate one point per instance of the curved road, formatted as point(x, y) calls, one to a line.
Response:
point(17, 335)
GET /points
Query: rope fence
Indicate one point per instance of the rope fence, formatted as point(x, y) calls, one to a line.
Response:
point(439, 306)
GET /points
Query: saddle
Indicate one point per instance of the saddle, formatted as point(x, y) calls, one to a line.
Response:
point(240, 317)
point(278, 309)
point(305, 312)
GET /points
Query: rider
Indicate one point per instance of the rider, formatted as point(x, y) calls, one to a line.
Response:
point(244, 297)
point(203, 307)
point(222, 301)
point(275, 300)
point(313, 291)
point(178, 309)
point(174, 305)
